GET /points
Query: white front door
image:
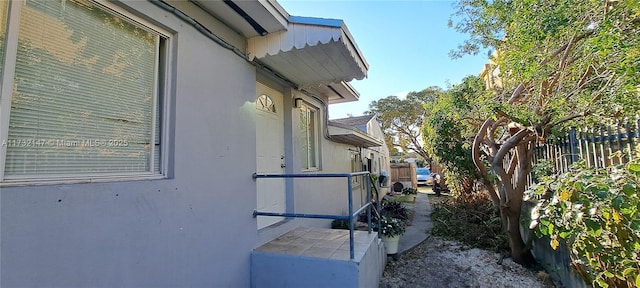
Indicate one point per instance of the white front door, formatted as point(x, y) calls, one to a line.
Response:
point(270, 153)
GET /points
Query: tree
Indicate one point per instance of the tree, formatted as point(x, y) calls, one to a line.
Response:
point(450, 125)
point(401, 119)
point(562, 62)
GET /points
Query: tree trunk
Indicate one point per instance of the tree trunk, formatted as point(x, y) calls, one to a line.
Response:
point(520, 253)
point(509, 189)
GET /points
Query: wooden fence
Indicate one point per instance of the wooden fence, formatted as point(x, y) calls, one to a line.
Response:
point(595, 145)
point(404, 173)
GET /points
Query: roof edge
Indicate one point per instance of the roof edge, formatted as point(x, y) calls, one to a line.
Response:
point(337, 23)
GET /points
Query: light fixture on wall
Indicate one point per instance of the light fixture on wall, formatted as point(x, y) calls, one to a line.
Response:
point(297, 102)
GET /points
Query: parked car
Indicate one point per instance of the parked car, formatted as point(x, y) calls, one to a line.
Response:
point(424, 176)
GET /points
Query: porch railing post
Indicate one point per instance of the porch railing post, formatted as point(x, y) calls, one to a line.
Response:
point(350, 217)
point(369, 200)
point(351, 226)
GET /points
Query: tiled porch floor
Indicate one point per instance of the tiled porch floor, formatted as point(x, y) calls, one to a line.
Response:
point(319, 243)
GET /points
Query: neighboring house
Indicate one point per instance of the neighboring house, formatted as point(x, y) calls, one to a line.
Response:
point(131, 130)
point(372, 155)
point(411, 160)
point(404, 159)
point(491, 73)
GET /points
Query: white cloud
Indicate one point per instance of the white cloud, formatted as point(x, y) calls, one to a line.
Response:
point(402, 94)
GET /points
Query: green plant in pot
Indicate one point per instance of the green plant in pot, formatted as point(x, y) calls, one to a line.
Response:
point(374, 178)
point(410, 194)
point(410, 191)
point(391, 230)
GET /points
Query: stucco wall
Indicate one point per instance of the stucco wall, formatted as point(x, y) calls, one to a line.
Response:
point(381, 158)
point(374, 128)
point(192, 230)
point(326, 195)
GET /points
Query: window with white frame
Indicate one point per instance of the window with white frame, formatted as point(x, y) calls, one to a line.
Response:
point(80, 92)
point(309, 136)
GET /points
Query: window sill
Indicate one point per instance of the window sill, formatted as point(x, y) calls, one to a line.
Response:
point(84, 180)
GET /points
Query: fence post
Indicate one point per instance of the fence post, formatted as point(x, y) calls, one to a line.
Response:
point(573, 145)
point(603, 155)
point(630, 145)
point(611, 144)
point(581, 144)
point(594, 148)
point(619, 140)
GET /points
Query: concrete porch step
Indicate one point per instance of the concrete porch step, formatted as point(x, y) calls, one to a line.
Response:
point(315, 257)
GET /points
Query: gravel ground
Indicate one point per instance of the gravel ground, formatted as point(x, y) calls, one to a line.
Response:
point(439, 263)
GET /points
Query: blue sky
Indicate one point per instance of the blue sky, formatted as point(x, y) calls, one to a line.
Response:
point(406, 44)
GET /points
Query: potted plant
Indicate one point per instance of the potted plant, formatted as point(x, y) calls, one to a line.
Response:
point(392, 229)
point(411, 193)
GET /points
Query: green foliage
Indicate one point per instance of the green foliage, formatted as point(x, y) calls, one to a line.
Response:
point(573, 57)
point(374, 178)
point(409, 191)
point(597, 213)
point(470, 219)
point(450, 125)
point(543, 168)
point(395, 209)
point(340, 224)
point(389, 208)
point(391, 226)
point(403, 198)
point(558, 63)
point(401, 119)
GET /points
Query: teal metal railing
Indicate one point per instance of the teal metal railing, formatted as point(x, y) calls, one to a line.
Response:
point(369, 205)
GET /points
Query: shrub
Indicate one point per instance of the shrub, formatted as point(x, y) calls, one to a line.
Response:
point(471, 219)
point(391, 226)
point(410, 191)
point(340, 224)
point(393, 209)
point(596, 213)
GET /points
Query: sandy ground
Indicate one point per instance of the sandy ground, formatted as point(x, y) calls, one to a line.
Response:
point(439, 263)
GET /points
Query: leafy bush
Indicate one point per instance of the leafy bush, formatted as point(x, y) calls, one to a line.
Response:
point(597, 213)
point(374, 178)
point(340, 224)
point(542, 168)
point(410, 191)
point(393, 209)
point(391, 226)
point(471, 219)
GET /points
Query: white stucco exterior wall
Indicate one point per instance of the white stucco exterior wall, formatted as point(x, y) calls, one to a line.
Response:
point(325, 195)
point(193, 229)
point(329, 195)
point(381, 152)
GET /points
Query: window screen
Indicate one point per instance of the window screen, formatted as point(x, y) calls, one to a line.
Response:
point(84, 98)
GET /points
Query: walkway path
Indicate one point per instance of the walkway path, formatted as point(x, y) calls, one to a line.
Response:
point(424, 261)
point(420, 225)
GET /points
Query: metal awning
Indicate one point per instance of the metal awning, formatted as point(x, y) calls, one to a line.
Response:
point(335, 92)
point(312, 52)
point(353, 136)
